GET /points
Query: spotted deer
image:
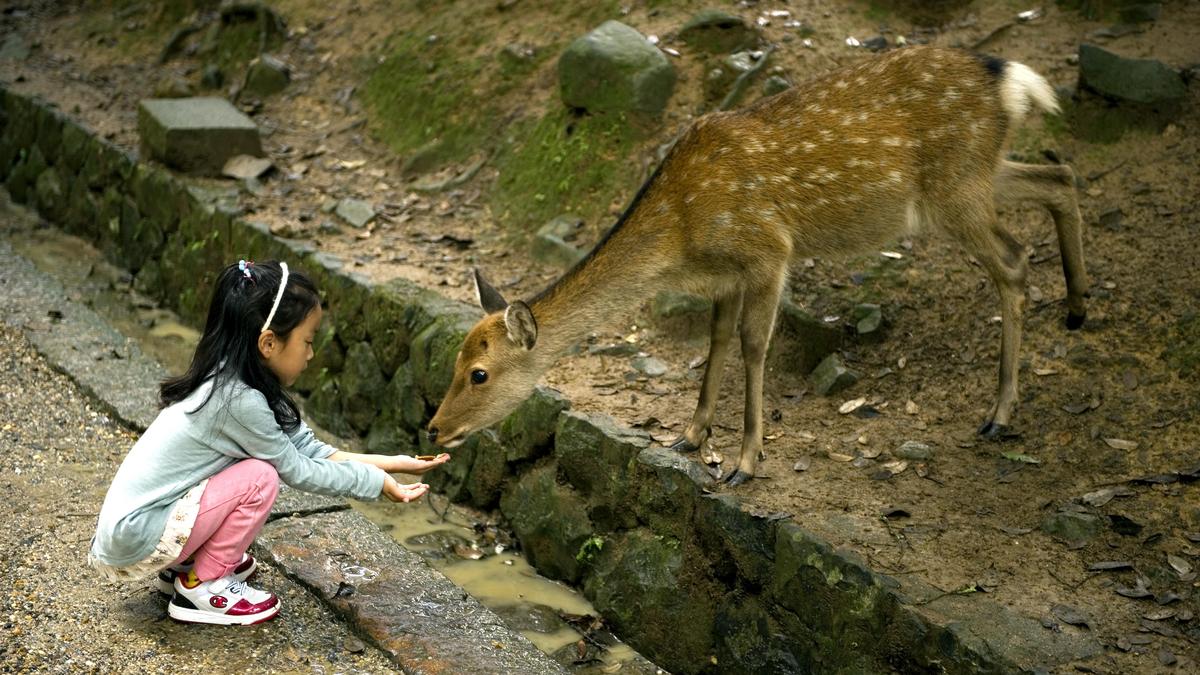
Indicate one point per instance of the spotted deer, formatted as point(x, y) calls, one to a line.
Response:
point(839, 166)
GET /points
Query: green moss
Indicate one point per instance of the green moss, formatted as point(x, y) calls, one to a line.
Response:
point(437, 97)
point(563, 163)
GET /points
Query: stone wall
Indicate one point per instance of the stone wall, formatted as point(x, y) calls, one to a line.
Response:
point(696, 581)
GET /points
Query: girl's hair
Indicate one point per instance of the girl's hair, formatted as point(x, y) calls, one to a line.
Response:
point(241, 301)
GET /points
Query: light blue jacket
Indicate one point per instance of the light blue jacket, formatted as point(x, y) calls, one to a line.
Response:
point(182, 448)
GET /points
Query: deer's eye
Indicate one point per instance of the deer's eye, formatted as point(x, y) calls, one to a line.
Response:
point(478, 376)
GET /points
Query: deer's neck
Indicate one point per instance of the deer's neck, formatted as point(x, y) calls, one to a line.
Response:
point(615, 278)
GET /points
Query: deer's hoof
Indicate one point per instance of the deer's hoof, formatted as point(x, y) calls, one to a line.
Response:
point(682, 444)
point(737, 478)
point(998, 432)
point(1075, 321)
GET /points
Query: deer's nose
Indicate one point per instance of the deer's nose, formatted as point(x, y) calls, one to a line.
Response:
point(432, 434)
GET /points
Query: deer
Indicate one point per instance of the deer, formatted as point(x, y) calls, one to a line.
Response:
point(836, 167)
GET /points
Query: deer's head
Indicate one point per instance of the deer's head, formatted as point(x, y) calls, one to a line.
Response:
point(494, 372)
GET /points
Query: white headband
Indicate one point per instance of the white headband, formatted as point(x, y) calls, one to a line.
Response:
point(278, 297)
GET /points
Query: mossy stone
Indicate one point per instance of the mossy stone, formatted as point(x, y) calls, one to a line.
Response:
point(733, 532)
point(362, 385)
point(50, 197)
point(488, 471)
point(599, 459)
point(1136, 80)
point(615, 69)
point(450, 479)
point(635, 582)
point(395, 313)
point(668, 489)
point(74, 145)
point(49, 133)
point(550, 521)
point(528, 432)
point(327, 360)
point(325, 406)
point(748, 640)
point(433, 353)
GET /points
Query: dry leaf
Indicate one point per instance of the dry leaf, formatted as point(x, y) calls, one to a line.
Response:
point(911, 407)
point(839, 457)
point(897, 467)
point(1120, 444)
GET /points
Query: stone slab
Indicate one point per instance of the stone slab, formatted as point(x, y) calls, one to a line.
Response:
point(196, 135)
point(402, 605)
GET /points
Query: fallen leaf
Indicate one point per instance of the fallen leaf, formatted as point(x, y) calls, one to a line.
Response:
point(1120, 444)
point(1181, 566)
point(897, 467)
point(840, 457)
point(1071, 615)
point(801, 464)
point(1110, 566)
point(911, 407)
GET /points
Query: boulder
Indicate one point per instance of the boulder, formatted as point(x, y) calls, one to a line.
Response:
point(615, 69)
point(831, 376)
point(1136, 80)
point(717, 32)
point(554, 242)
point(266, 75)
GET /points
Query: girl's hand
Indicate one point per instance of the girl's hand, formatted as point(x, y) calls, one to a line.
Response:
point(402, 493)
point(413, 465)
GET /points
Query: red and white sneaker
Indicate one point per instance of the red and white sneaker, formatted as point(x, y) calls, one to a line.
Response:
point(225, 601)
point(165, 582)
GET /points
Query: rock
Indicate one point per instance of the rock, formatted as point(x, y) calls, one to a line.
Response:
point(553, 242)
point(212, 77)
point(13, 49)
point(867, 318)
point(914, 450)
point(1136, 80)
point(803, 340)
point(50, 193)
point(876, 44)
point(670, 304)
point(831, 377)
point(720, 79)
point(173, 86)
point(775, 84)
point(718, 32)
point(615, 69)
point(361, 385)
point(1072, 527)
point(244, 167)
point(528, 432)
point(649, 366)
point(266, 75)
point(355, 211)
point(596, 456)
point(551, 522)
point(197, 135)
point(1143, 13)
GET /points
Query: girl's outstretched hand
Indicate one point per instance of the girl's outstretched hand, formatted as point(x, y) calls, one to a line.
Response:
point(416, 465)
point(403, 493)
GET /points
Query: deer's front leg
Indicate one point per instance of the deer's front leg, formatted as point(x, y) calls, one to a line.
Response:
point(724, 319)
point(758, 321)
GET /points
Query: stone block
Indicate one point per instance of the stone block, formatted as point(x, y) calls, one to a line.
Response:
point(196, 135)
point(550, 520)
point(614, 68)
point(598, 457)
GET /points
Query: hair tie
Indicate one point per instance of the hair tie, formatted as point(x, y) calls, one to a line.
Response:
point(244, 266)
point(278, 297)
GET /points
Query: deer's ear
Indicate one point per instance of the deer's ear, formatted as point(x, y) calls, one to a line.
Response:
point(488, 298)
point(520, 324)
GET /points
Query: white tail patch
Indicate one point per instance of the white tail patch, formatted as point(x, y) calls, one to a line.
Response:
point(1021, 89)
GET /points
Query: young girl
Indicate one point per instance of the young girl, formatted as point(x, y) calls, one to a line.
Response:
point(197, 487)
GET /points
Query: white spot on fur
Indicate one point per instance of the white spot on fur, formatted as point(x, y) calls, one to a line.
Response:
point(841, 84)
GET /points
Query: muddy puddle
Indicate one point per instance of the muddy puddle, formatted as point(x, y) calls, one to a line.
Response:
point(460, 543)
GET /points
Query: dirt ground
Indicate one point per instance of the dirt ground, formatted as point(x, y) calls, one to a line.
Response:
point(1099, 407)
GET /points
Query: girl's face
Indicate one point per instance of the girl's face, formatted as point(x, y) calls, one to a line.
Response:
point(287, 359)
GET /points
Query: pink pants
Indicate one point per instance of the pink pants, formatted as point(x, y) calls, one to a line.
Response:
point(233, 508)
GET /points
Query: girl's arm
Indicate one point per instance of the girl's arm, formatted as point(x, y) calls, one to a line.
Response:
point(392, 463)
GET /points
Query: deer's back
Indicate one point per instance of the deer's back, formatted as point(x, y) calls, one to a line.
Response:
point(833, 166)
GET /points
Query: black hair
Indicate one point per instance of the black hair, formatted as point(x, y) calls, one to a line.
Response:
point(229, 346)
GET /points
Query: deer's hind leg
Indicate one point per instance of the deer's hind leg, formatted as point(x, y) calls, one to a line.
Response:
point(1053, 186)
point(724, 319)
point(972, 221)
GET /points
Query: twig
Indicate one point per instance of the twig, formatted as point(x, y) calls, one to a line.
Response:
point(995, 33)
point(1100, 174)
point(743, 80)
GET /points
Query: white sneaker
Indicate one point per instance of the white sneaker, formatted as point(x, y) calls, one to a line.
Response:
point(225, 601)
point(165, 582)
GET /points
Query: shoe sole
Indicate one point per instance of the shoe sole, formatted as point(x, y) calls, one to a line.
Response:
point(167, 588)
point(185, 615)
